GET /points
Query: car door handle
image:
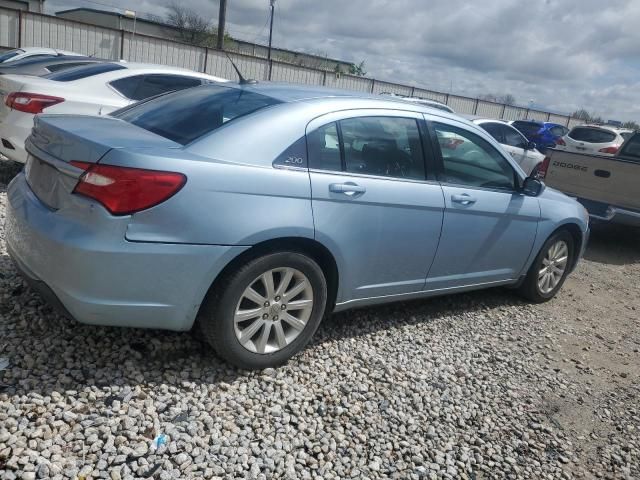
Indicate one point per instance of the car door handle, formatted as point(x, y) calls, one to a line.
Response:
point(348, 188)
point(463, 199)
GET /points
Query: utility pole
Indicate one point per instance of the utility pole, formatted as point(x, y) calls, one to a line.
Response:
point(273, 3)
point(222, 17)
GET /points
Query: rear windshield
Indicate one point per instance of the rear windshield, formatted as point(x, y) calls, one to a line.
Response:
point(10, 54)
point(528, 128)
point(84, 72)
point(187, 115)
point(592, 135)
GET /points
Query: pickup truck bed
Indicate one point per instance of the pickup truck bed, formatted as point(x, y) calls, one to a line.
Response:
point(608, 187)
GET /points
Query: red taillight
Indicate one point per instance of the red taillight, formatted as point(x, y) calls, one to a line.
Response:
point(31, 102)
point(124, 190)
point(544, 166)
point(610, 150)
point(560, 141)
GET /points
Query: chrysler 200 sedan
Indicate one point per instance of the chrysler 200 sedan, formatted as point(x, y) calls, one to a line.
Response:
point(255, 210)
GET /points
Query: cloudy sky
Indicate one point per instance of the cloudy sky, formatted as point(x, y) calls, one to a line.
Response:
point(562, 54)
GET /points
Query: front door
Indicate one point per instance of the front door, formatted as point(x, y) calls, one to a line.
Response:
point(373, 205)
point(489, 227)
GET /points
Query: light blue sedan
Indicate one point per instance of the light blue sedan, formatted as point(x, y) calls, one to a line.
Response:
point(255, 210)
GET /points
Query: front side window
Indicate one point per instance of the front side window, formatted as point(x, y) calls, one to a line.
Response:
point(529, 129)
point(380, 146)
point(558, 131)
point(470, 160)
point(514, 138)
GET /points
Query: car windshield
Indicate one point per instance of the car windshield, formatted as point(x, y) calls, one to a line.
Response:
point(10, 54)
point(84, 72)
point(187, 115)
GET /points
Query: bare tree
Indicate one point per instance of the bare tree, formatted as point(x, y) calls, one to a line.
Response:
point(190, 26)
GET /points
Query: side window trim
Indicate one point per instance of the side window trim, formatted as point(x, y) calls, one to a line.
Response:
point(440, 160)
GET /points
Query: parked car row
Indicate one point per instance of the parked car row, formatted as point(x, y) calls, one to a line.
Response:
point(252, 210)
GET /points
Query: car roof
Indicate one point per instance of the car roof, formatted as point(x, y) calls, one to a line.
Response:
point(478, 120)
point(289, 92)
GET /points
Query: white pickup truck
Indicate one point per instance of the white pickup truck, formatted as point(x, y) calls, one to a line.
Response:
point(608, 187)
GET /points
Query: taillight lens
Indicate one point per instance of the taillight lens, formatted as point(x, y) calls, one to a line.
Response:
point(31, 102)
point(124, 190)
point(544, 166)
point(611, 150)
point(560, 141)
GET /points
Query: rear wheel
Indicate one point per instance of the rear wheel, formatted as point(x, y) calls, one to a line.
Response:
point(550, 269)
point(266, 311)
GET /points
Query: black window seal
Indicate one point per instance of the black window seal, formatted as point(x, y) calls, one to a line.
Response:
point(343, 161)
point(428, 154)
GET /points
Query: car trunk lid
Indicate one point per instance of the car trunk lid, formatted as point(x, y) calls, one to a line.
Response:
point(58, 140)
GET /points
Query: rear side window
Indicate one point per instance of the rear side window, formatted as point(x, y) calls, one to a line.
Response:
point(139, 87)
point(187, 115)
point(84, 72)
point(380, 146)
point(592, 135)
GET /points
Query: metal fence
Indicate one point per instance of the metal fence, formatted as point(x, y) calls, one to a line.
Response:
point(25, 29)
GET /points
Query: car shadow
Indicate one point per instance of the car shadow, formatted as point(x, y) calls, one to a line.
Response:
point(49, 353)
point(613, 244)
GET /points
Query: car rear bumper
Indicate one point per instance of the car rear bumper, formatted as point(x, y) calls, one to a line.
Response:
point(97, 277)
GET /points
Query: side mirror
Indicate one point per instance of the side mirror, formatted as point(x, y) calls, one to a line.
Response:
point(532, 187)
point(531, 146)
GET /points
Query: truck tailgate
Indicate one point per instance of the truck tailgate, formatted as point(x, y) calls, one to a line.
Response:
point(593, 177)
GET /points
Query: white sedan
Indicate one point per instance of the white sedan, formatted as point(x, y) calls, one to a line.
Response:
point(95, 89)
point(522, 150)
point(32, 52)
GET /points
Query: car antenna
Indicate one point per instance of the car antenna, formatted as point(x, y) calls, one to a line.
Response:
point(243, 81)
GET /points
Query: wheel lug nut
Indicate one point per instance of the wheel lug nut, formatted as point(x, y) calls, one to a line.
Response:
point(266, 304)
point(265, 316)
point(283, 307)
point(275, 317)
point(277, 299)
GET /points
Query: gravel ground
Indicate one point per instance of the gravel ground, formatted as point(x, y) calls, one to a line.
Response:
point(470, 386)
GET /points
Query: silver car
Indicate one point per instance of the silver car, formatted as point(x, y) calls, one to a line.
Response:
point(255, 210)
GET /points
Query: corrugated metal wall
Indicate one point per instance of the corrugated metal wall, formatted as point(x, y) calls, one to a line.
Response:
point(44, 30)
point(40, 30)
point(8, 28)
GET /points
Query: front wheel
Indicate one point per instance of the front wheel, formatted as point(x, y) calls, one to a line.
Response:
point(266, 311)
point(550, 268)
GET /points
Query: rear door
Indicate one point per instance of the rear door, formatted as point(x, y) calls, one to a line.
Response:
point(374, 203)
point(489, 227)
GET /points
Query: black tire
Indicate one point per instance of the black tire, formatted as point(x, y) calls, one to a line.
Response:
point(530, 288)
point(216, 320)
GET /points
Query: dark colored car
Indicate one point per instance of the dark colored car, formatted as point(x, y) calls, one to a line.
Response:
point(40, 66)
point(543, 134)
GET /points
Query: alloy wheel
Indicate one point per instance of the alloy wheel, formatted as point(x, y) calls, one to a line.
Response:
point(554, 264)
point(273, 310)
